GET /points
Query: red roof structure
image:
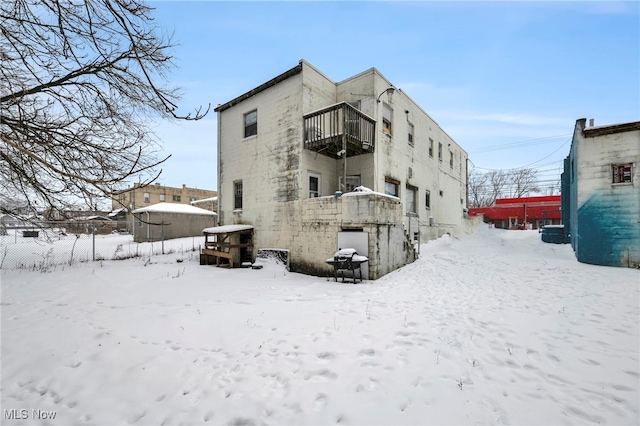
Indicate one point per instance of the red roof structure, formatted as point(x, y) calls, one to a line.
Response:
point(516, 213)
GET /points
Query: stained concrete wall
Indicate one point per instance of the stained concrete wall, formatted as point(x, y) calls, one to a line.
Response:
point(604, 216)
point(274, 169)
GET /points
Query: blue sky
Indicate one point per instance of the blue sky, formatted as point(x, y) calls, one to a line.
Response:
point(506, 80)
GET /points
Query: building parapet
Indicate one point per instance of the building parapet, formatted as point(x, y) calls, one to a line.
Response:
point(353, 209)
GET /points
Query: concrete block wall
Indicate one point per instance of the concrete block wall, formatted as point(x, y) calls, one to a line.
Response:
point(605, 228)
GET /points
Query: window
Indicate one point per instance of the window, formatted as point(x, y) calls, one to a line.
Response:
point(251, 123)
point(162, 197)
point(237, 190)
point(386, 118)
point(440, 152)
point(451, 159)
point(411, 199)
point(427, 199)
point(146, 197)
point(621, 173)
point(391, 187)
point(430, 147)
point(410, 133)
point(192, 199)
point(314, 185)
point(176, 198)
point(353, 182)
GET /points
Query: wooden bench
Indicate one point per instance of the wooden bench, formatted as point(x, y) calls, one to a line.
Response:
point(230, 243)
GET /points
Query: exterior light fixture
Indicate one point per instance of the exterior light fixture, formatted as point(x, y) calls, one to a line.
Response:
point(389, 91)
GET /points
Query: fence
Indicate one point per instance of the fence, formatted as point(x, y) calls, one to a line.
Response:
point(40, 245)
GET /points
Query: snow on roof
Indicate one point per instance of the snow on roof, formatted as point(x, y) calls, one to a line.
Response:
point(363, 190)
point(174, 208)
point(204, 200)
point(117, 211)
point(98, 217)
point(226, 229)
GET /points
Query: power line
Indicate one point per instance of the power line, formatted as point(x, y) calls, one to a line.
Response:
point(512, 145)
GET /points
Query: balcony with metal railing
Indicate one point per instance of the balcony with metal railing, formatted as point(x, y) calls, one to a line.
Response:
point(337, 128)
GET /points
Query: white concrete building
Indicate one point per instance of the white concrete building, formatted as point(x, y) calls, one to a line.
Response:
point(287, 146)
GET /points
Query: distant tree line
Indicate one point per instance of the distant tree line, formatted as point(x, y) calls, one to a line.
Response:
point(486, 187)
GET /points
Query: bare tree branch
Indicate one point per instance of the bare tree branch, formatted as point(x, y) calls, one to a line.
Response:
point(79, 83)
point(485, 188)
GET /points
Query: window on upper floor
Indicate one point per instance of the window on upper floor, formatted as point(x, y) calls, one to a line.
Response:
point(412, 194)
point(251, 123)
point(162, 197)
point(237, 191)
point(621, 173)
point(391, 187)
point(440, 151)
point(451, 159)
point(387, 113)
point(410, 133)
point(176, 198)
point(147, 197)
point(427, 199)
point(430, 147)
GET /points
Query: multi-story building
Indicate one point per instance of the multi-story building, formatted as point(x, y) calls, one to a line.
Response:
point(125, 201)
point(290, 147)
point(601, 194)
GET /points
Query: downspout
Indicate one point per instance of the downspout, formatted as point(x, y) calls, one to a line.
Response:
point(148, 227)
point(217, 219)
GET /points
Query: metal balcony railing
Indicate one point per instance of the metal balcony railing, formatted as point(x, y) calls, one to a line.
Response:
point(340, 126)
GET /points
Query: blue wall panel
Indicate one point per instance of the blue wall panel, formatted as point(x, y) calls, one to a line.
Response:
point(609, 230)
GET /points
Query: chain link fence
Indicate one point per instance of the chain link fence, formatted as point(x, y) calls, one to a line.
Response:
point(41, 245)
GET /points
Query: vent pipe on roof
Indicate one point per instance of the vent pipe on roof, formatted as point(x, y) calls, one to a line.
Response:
point(591, 122)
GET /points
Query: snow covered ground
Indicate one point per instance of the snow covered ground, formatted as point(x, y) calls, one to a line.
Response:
point(494, 328)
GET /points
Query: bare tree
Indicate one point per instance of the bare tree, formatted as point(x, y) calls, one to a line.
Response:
point(79, 83)
point(478, 189)
point(498, 181)
point(485, 188)
point(523, 182)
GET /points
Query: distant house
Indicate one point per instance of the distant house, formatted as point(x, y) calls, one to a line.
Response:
point(522, 213)
point(293, 150)
point(601, 194)
point(164, 221)
point(125, 201)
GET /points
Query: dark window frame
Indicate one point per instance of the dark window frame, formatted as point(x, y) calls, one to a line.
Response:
point(387, 122)
point(237, 195)
point(410, 133)
point(621, 173)
point(396, 186)
point(251, 123)
point(412, 208)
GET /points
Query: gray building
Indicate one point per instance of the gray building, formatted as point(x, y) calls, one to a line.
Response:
point(164, 221)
